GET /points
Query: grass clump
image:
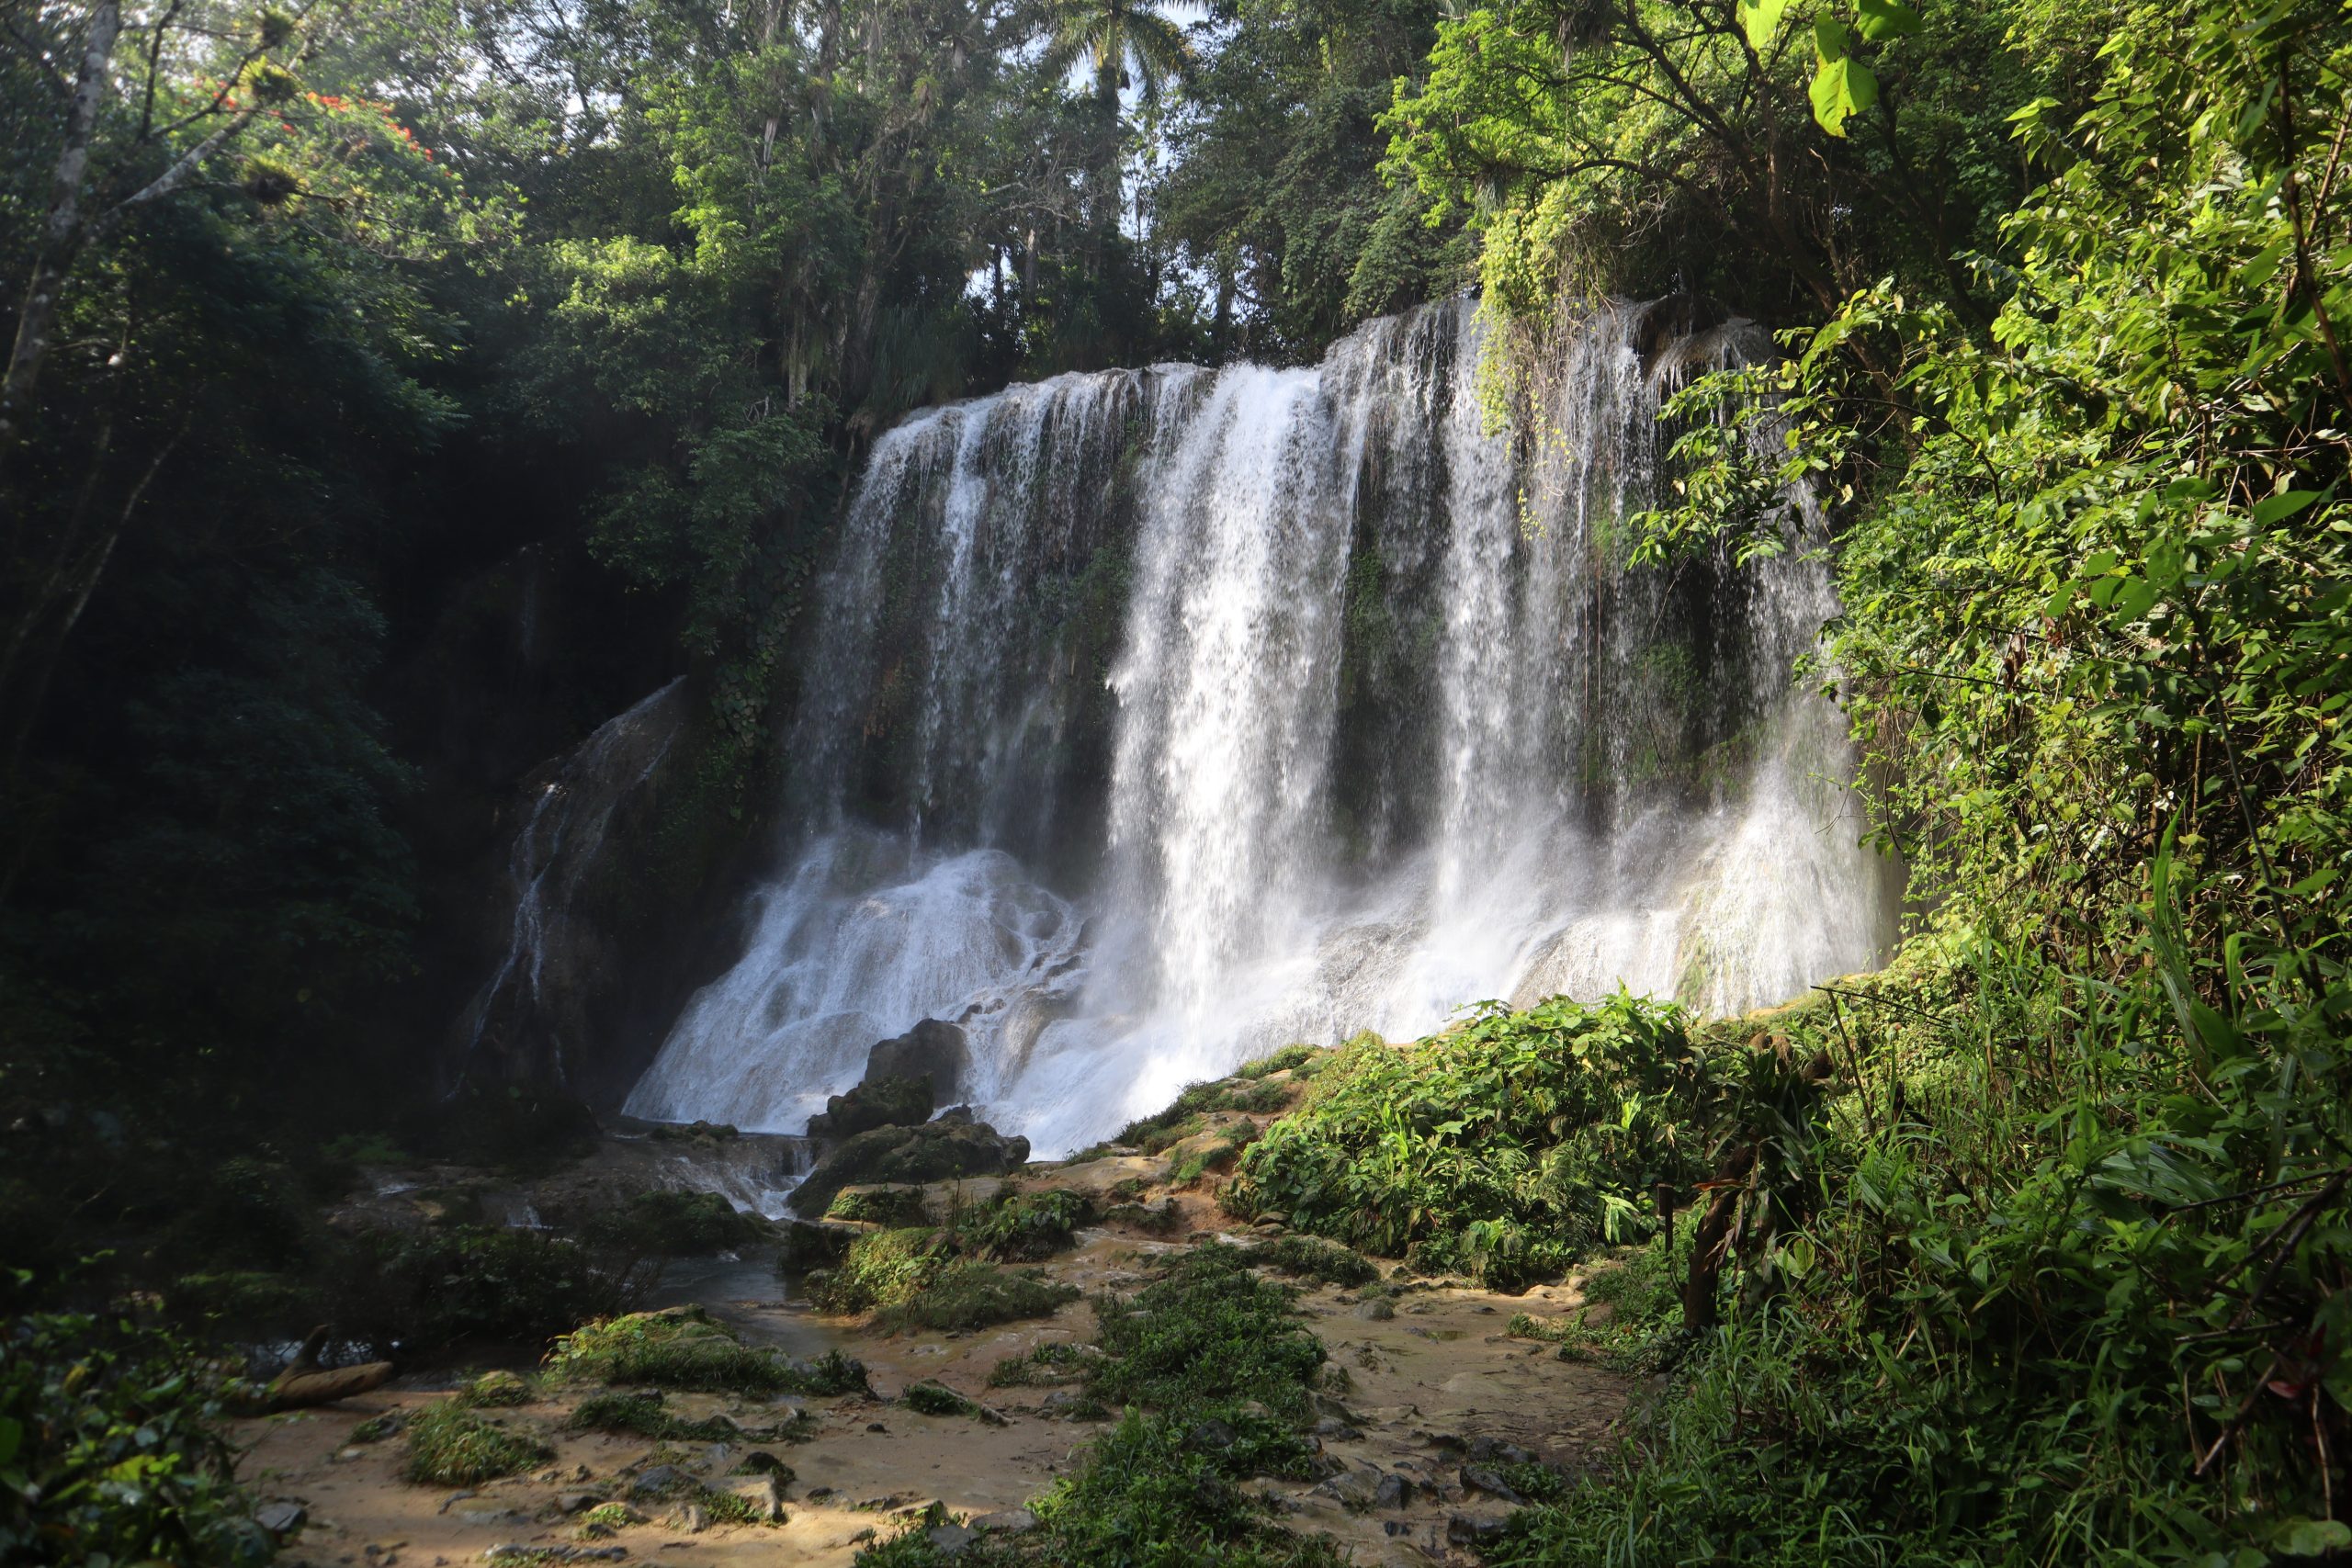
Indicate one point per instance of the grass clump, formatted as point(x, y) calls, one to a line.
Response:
point(451, 1446)
point(1291, 1059)
point(1311, 1257)
point(1189, 1113)
point(1210, 1335)
point(892, 1206)
point(496, 1390)
point(917, 1277)
point(1046, 1366)
point(1022, 1227)
point(937, 1399)
point(1502, 1149)
point(967, 1294)
point(1210, 1350)
point(678, 1347)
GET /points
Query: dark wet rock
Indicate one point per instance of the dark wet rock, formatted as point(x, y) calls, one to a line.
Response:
point(281, 1517)
point(1007, 1521)
point(949, 1540)
point(887, 1102)
point(1479, 1478)
point(1392, 1492)
point(1330, 1428)
point(577, 1502)
point(1479, 1529)
point(1494, 1450)
point(1210, 1434)
point(934, 1050)
point(1380, 1309)
point(658, 1481)
point(1354, 1489)
point(937, 1151)
point(812, 1244)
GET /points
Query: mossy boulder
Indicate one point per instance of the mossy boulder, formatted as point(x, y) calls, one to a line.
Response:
point(953, 1147)
point(886, 1101)
point(932, 1050)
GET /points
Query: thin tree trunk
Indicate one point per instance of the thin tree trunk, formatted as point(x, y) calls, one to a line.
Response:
point(65, 230)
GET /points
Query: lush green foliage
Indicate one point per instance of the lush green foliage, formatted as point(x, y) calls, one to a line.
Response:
point(921, 1278)
point(111, 1449)
point(1324, 1262)
point(678, 1349)
point(1502, 1149)
point(1210, 1349)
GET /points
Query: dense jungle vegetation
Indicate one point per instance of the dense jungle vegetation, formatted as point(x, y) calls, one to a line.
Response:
point(2031, 1249)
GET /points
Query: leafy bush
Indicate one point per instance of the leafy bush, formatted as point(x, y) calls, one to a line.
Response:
point(111, 1449)
point(428, 1289)
point(966, 1294)
point(882, 1269)
point(1502, 1149)
point(1023, 1227)
point(450, 1446)
point(679, 1348)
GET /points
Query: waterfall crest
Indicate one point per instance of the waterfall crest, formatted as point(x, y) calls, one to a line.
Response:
point(1164, 716)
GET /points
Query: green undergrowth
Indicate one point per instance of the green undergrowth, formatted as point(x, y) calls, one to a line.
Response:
point(111, 1448)
point(1631, 1321)
point(645, 1414)
point(950, 1277)
point(673, 1224)
point(496, 1390)
point(1216, 1370)
point(937, 1399)
point(894, 1206)
point(1311, 1257)
point(1046, 1366)
point(1189, 1113)
point(681, 1349)
point(451, 1446)
point(1503, 1149)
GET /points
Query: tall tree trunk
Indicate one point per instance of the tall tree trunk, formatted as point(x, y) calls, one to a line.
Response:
point(63, 234)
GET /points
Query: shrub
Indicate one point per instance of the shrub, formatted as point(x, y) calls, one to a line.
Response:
point(450, 1446)
point(1023, 1227)
point(881, 1268)
point(432, 1289)
point(1046, 1366)
point(1501, 1149)
point(111, 1449)
point(678, 1349)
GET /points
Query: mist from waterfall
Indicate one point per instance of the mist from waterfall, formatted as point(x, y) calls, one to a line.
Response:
point(1161, 717)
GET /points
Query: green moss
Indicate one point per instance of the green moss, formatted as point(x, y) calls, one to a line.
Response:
point(882, 1269)
point(449, 1446)
point(1289, 1059)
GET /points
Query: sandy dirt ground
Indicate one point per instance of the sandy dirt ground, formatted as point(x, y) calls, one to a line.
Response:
point(1424, 1386)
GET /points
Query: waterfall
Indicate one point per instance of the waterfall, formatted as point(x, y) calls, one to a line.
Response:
point(521, 1008)
point(1159, 718)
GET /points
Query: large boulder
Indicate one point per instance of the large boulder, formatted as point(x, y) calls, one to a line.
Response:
point(951, 1147)
point(887, 1102)
point(933, 1049)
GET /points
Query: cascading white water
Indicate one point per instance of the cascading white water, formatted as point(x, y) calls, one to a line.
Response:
point(1160, 717)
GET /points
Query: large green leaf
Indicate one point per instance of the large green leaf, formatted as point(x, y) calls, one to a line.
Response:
point(1760, 20)
point(1842, 88)
point(1879, 21)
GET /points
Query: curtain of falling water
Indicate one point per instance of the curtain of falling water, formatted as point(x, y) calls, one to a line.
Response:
point(1159, 717)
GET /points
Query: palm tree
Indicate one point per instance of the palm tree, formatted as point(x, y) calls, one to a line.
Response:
point(1129, 45)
